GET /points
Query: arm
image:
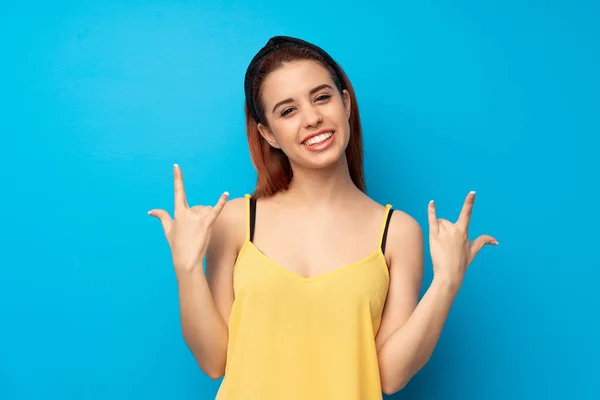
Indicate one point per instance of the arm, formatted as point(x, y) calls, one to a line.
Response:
point(410, 347)
point(412, 333)
point(203, 328)
point(205, 300)
point(399, 337)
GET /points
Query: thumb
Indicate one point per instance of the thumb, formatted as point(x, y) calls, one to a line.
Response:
point(478, 244)
point(164, 217)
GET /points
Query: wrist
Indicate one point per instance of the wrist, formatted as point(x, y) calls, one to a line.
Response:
point(189, 272)
point(447, 283)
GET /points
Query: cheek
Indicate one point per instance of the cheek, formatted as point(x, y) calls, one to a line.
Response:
point(285, 132)
point(341, 120)
point(339, 113)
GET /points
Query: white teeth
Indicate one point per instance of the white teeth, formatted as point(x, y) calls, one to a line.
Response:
point(318, 139)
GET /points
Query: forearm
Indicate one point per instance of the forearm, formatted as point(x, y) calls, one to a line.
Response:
point(204, 330)
point(411, 346)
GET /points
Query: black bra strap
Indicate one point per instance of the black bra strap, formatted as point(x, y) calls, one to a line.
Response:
point(253, 223)
point(385, 230)
point(252, 216)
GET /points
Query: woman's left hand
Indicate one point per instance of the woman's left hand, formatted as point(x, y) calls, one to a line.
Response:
point(450, 248)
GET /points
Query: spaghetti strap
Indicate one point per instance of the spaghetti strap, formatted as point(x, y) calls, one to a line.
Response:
point(247, 196)
point(384, 226)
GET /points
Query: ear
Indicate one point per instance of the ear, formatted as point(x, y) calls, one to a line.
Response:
point(267, 134)
point(347, 102)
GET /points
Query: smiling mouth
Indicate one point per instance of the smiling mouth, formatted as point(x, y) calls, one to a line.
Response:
point(317, 139)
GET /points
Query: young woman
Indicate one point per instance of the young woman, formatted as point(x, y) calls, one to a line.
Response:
point(311, 288)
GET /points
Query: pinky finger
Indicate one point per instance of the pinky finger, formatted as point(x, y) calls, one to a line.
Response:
point(432, 218)
point(218, 207)
point(480, 242)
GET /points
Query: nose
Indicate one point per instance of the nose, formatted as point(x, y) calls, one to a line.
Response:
point(312, 117)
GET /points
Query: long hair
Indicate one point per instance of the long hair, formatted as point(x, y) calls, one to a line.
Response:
point(272, 165)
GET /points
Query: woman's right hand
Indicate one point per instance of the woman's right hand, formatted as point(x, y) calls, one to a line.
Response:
point(189, 232)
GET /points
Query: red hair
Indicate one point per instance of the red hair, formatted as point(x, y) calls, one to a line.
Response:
point(272, 165)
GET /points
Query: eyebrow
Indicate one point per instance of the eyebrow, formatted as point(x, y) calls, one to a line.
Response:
point(312, 91)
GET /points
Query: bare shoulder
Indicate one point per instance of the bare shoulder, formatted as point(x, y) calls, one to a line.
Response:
point(404, 226)
point(230, 225)
point(234, 211)
point(405, 241)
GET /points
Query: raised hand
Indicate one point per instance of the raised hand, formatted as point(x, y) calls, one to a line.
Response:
point(451, 250)
point(189, 232)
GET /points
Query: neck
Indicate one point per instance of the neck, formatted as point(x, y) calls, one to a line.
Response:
point(323, 186)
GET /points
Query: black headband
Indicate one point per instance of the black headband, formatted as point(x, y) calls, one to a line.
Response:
point(277, 43)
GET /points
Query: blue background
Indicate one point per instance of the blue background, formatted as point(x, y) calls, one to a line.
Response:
point(99, 99)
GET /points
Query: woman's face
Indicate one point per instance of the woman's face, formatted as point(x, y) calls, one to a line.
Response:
point(307, 116)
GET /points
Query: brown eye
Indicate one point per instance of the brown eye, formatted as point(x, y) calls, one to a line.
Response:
point(286, 112)
point(323, 97)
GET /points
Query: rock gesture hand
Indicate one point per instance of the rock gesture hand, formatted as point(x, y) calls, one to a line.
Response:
point(450, 248)
point(189, 232)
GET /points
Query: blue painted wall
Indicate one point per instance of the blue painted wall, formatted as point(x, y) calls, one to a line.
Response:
point(99, 99)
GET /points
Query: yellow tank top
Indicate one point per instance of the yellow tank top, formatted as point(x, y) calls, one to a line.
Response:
point(296, 338)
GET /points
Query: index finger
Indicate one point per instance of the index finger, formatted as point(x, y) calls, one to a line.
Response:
point(180, 200)
point(465, 215)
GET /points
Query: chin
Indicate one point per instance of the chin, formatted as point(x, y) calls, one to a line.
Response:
point(325, 162)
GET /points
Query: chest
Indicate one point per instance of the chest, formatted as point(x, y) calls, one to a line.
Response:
point(269, 289)
point(311, 246)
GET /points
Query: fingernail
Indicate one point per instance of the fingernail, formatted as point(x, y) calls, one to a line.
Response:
point(472, 192)
point(226, 193)
point(431, 202)
point(176, 166)
point(149, 212)
point(496, 242)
